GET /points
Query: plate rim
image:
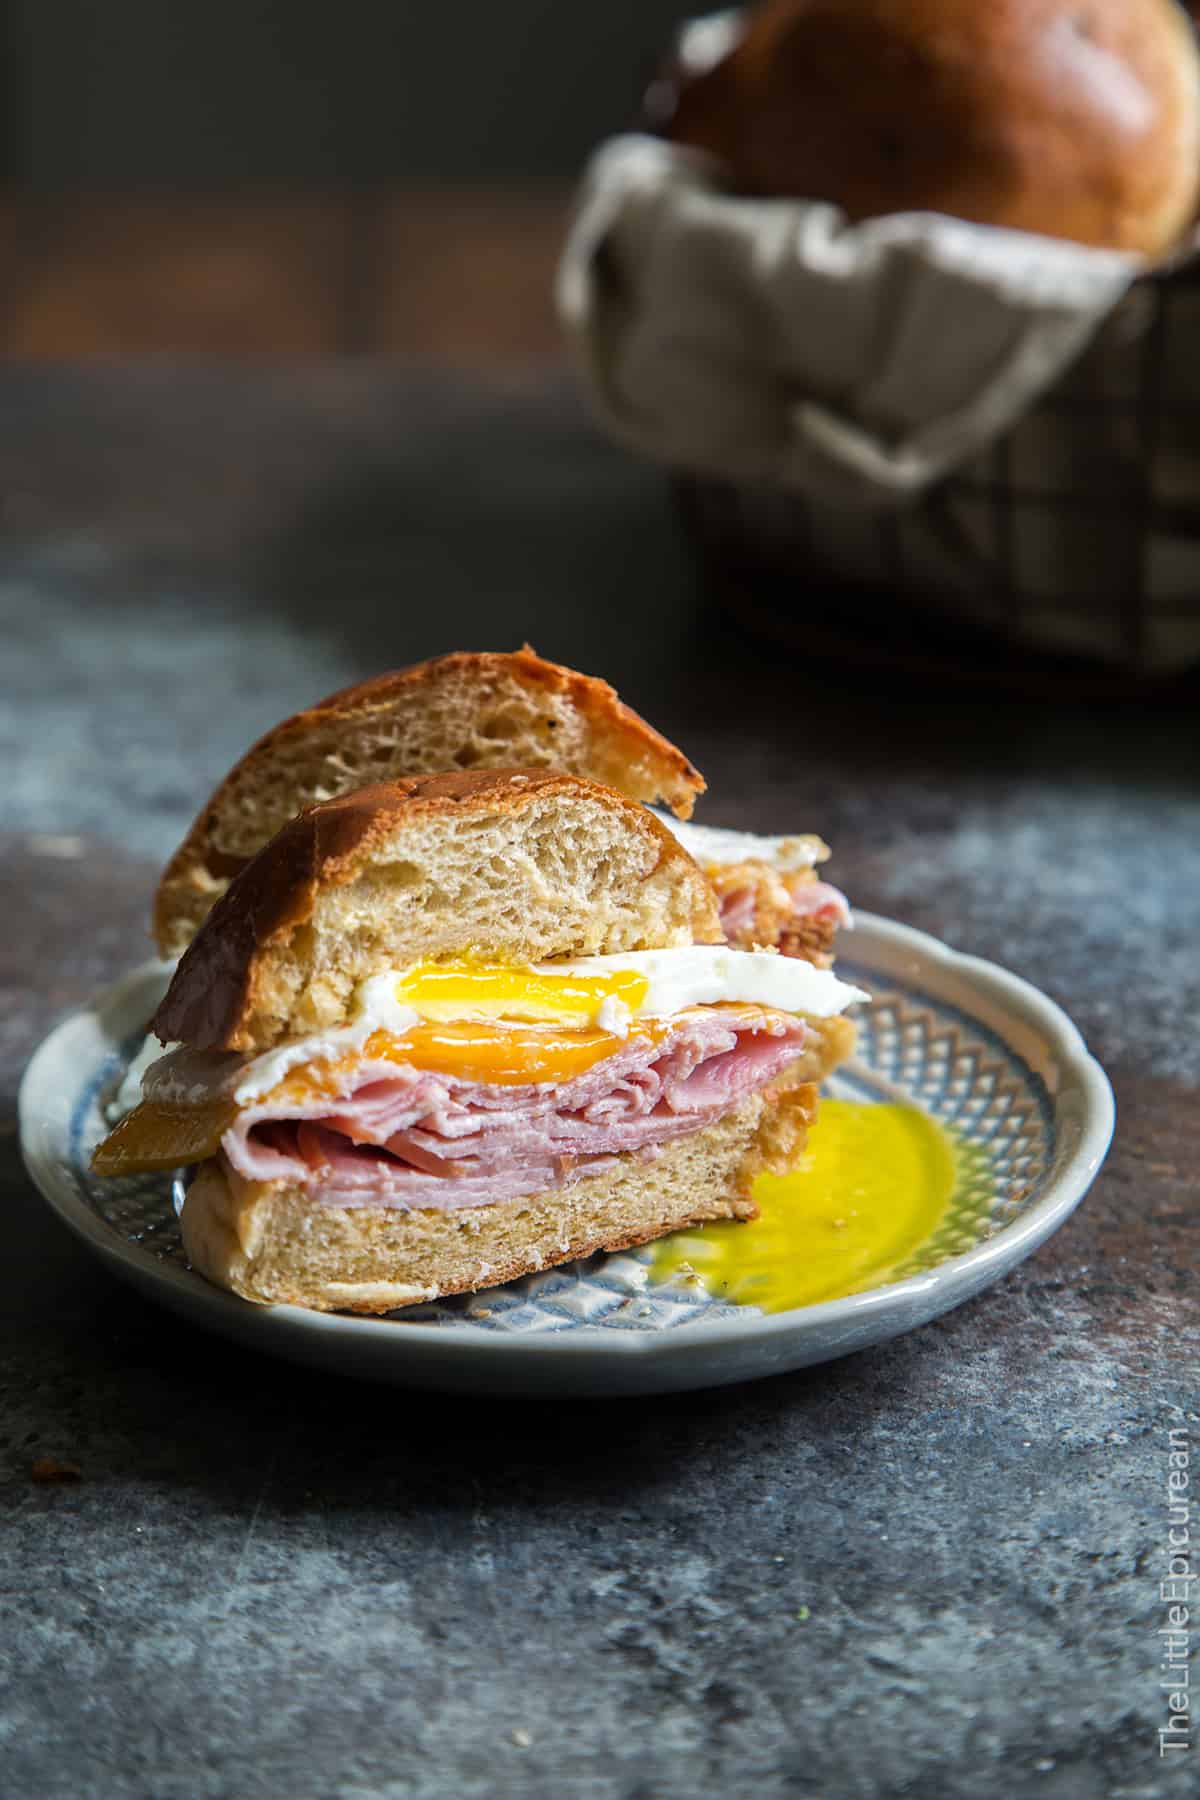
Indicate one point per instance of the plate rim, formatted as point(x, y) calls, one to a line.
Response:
point(967, 1273)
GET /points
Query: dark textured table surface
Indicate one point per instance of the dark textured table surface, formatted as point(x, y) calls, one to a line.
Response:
point(931, 1569)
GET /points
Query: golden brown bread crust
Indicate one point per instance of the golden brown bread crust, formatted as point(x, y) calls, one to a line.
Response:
point(1076, 121)
point(621, 749)
point(213, 989)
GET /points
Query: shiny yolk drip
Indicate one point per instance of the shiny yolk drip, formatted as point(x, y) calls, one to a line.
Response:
point(873, 1185)
point(450, 992)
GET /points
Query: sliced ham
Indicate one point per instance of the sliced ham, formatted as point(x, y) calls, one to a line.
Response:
point(819, 899)
point(738, 910)
point(401, 1137)
point(786, 912)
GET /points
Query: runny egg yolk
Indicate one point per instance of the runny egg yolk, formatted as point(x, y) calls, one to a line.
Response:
point(506, 1055)
point(452, 991)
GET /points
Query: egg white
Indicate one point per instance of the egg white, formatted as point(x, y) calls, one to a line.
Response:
point(713, 846)
point(708, 974)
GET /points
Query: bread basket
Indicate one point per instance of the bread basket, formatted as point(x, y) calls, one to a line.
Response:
point(1070, 547)
point(1062, 534)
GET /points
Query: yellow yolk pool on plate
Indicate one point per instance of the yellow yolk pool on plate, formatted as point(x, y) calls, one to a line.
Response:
point(875, 1183)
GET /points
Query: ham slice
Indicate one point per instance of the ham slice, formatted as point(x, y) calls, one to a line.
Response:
point(738, 911)
point(402, 1137)
point(819, 900)
point(811, 903)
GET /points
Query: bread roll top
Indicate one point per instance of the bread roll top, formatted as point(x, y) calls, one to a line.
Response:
point(1074, 120)
point(516, 866)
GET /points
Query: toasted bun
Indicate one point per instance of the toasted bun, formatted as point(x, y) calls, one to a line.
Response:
point(1077, 121)
point(512, 866)
point(463, 711)
point(273, 1242)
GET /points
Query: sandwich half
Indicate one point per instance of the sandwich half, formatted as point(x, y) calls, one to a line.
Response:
point(447, 1031)
point(768, 890)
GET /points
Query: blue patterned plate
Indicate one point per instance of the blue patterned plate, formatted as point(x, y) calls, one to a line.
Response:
point(974, 1047)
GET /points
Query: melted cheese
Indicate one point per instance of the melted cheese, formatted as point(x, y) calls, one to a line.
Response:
point(156, 1135)
point(503, 1055)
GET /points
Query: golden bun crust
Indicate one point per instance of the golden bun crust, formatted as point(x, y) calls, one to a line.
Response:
point(467, 710)
point(273, 1243)
point(510, 865)
point(1075, 121)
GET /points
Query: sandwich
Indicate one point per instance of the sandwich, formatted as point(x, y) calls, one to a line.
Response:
point(446, 1031)
point(487, 710)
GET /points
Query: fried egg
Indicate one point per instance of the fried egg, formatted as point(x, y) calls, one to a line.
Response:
point(604, 993)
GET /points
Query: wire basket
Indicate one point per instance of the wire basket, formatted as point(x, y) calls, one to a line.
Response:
point(1072, 543)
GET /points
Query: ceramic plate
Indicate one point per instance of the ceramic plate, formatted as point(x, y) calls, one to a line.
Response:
point(976, 1048)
